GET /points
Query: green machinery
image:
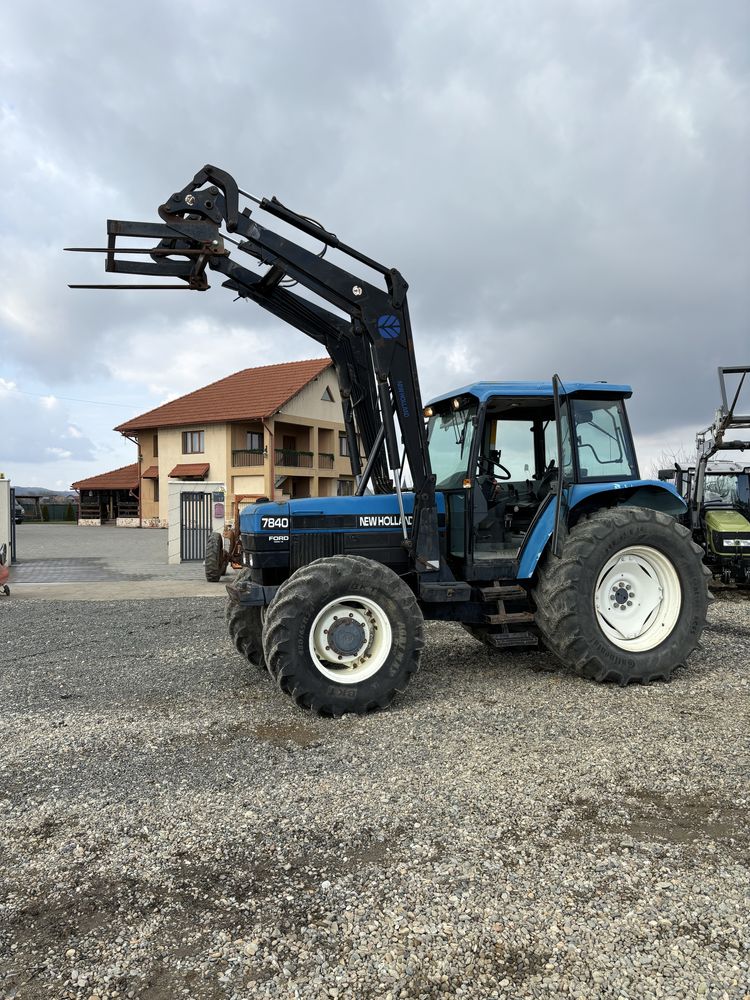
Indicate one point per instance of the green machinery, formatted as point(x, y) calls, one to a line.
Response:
point(717, 490)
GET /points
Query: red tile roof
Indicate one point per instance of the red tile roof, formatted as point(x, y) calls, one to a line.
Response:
point(194, 470)
point(152, 472)
point(252, 394)
point(125, 478)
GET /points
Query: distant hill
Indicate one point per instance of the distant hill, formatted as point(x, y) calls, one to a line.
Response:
point(42, 491)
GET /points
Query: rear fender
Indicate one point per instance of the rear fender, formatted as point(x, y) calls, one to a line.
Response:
point(584, 498)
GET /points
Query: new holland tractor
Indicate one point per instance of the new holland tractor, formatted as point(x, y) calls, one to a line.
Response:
point(513, 508)
point(717, 490)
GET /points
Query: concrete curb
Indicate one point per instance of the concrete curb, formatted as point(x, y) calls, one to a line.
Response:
point(137, 590)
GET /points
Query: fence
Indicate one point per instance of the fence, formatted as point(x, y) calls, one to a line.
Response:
point(34, 510)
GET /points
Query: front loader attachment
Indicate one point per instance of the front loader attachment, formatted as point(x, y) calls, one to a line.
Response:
point(370, 345)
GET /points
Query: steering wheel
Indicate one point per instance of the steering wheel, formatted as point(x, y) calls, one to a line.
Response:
point(491, 466)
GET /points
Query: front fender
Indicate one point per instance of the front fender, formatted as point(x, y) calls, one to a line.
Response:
point(650, 493)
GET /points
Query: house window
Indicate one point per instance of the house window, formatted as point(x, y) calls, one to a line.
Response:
point(156, 490)
point(156, 446)
point(254, 441)
point(193, 442)
point(327, 396)
point(343, 444)
point(344, 488)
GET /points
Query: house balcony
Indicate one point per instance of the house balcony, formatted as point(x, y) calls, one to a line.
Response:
point(244, 458)
point(325, 460)
point(288, 458)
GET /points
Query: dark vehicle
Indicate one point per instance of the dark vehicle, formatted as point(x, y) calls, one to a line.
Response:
point(18, 513)
point(513, 508)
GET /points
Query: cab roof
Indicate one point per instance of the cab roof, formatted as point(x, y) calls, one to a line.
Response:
point(485, 390)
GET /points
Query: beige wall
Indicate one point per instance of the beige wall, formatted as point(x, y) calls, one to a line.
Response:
point(308, 402)
point(149, 507)
point(254, 485)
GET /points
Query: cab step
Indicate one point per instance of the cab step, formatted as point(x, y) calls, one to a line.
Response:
point(509, 617)
point(504, 640)
point(503, 592)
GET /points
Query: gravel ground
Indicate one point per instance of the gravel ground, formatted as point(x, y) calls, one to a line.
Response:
point(172, 826)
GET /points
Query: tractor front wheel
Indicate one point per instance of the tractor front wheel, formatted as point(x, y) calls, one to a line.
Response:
point(627, 599)
point(343, 634)
point(246, 629)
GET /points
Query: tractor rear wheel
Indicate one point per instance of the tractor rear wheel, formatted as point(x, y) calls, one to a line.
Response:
point(343, 634)
point(627, 600)
point(246, 629)
point(215, 562)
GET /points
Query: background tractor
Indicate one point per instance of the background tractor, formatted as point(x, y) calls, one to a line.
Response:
point(513, 508)
point(717, 490)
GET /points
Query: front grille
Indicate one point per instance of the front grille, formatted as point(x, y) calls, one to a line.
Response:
point(316, 545)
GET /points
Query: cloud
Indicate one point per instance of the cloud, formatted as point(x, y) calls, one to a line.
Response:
point(565, 187)
point(48, 433)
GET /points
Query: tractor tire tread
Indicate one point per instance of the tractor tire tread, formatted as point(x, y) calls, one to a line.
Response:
point(214, 563)
point(245, 627)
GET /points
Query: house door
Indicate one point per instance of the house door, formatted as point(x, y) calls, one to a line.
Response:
point(195, 525)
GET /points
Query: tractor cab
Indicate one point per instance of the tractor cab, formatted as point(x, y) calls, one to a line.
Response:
point(500, 454)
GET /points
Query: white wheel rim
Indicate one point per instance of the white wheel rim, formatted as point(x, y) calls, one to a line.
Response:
point(350, 639)
point(638, 598)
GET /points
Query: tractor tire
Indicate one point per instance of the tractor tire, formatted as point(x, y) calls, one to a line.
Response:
point(215, 562)
point(246, 629)
point(343, 634)
point(627, 599)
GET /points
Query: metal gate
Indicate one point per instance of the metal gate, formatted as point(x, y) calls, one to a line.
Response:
point(12, 525)
point(195, 525)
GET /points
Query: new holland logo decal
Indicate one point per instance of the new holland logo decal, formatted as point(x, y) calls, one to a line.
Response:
point(389, 327)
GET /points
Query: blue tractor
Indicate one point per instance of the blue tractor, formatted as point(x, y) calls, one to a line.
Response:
point(515, 509)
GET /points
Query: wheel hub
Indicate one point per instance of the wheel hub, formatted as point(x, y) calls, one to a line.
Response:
point(346, 636)
point(638, 598)
point(350, 639)
point(628, 596)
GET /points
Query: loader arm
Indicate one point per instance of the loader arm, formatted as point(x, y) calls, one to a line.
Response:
point(372, 351)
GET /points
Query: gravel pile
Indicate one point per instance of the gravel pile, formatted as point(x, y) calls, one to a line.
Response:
point(172, 826)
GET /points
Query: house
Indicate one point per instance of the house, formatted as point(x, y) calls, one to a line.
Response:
point(110, 496)
point(274, 431)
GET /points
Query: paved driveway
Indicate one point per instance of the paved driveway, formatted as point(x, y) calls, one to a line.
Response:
point(65, 561)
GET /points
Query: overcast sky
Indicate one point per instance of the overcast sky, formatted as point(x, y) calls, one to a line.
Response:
point(564, 184)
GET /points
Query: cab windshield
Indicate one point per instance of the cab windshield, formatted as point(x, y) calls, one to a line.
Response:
point(727, 489)
point(450, 436)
